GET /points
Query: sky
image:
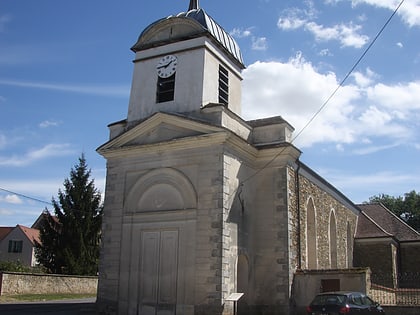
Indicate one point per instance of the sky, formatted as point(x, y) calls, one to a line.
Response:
point(66, 70)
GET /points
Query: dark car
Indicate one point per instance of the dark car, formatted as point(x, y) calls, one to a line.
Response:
point(350, 303)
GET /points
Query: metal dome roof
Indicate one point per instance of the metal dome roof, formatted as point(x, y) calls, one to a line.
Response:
point(206, 23)
point(210, 25)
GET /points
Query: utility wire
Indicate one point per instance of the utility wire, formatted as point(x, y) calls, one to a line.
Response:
point(339, 86)
point(349, 73)
point(26, 197)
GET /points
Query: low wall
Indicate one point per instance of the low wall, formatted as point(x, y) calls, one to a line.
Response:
point(402, 310)
point(12, 283)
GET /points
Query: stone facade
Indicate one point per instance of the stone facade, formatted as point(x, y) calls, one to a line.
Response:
point(332, 212)
point(200, 204)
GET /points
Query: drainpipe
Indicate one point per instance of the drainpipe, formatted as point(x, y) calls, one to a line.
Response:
point(297, 189)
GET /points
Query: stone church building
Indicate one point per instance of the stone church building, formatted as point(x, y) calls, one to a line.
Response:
point(199, 203)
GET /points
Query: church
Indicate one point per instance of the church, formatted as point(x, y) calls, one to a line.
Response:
point(203, 209)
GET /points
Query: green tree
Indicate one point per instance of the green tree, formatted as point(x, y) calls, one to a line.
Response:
point(70, 239)
point(406, 207)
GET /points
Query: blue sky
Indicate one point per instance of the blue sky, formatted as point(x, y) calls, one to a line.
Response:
point(66, 68)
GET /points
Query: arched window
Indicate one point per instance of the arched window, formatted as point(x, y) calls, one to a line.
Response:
point(349, 246)
point(311, 244)
point(333, 241)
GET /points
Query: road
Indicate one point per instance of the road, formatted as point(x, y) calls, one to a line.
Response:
point(62, 307)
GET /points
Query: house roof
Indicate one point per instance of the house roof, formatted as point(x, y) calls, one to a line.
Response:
point(378, 221)
point(40, 220)
point(4, 230)
point(31, 234)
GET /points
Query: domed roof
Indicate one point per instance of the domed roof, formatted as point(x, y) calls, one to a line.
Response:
point(206, 25)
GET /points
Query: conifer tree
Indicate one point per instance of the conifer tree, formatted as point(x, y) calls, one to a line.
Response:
point(70, 239)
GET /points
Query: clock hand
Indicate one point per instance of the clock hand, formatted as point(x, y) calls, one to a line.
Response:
point(165, 66)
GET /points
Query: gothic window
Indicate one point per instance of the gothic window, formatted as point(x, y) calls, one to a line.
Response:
point(349, 246)
point(311, 235)
point(165, 89)
point(223, 86)
point(333, 240)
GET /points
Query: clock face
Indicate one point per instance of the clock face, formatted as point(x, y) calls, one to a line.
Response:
point(166, 66)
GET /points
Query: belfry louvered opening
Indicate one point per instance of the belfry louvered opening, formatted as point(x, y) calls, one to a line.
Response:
point(223, 86)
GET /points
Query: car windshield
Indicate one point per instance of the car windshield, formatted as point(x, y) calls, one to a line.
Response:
point(329, 299)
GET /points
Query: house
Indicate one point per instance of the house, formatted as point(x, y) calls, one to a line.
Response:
point(201, 204)
point(18, 244)
point(389, 246)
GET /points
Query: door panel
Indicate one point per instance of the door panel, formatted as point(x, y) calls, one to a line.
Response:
point(149, 267)
point(168, 273)
point(158, 272)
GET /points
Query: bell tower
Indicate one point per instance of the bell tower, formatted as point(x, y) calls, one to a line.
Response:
point(182, 63)
point(169, 245)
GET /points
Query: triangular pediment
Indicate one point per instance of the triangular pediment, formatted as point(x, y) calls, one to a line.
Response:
point(160, 128)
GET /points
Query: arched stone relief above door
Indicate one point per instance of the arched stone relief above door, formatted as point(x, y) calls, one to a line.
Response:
point(160, 190)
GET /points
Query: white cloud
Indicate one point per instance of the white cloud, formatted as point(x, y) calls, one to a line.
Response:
point(118, 91)
point(259, 43)
point(241, 33)
point(288, 23)
point(402, 96)
point(48, 123)
point(295, 18)
point(364, 79)
point(347, 34)
point(13, 199)
point(42, 189)
point(325, 52)
point(49, 150)
point(296, 90)
point(409, 10)
point(373, 149)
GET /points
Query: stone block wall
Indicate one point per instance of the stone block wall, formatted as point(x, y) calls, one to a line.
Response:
point(22, 283)
point(410, 265)
point(329, 206)
point(380, 258)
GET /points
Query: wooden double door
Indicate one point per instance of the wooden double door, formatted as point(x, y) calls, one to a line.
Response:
point(158, 272)
point(157, 268)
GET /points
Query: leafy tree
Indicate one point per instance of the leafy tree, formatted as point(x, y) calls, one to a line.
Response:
point(70, 239)
point(406, 207)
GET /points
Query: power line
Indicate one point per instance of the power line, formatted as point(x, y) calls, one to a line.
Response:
point(26, 197)
point(339, 86)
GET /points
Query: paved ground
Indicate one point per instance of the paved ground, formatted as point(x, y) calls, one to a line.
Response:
point(63, 307)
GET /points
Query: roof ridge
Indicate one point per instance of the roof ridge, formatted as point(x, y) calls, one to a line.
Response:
point(399, 218)
point(376, 224)
point(389, 221)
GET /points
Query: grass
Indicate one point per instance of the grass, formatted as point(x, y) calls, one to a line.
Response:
point(42, 297)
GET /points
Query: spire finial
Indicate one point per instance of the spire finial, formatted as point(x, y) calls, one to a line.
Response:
point(193, 5)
